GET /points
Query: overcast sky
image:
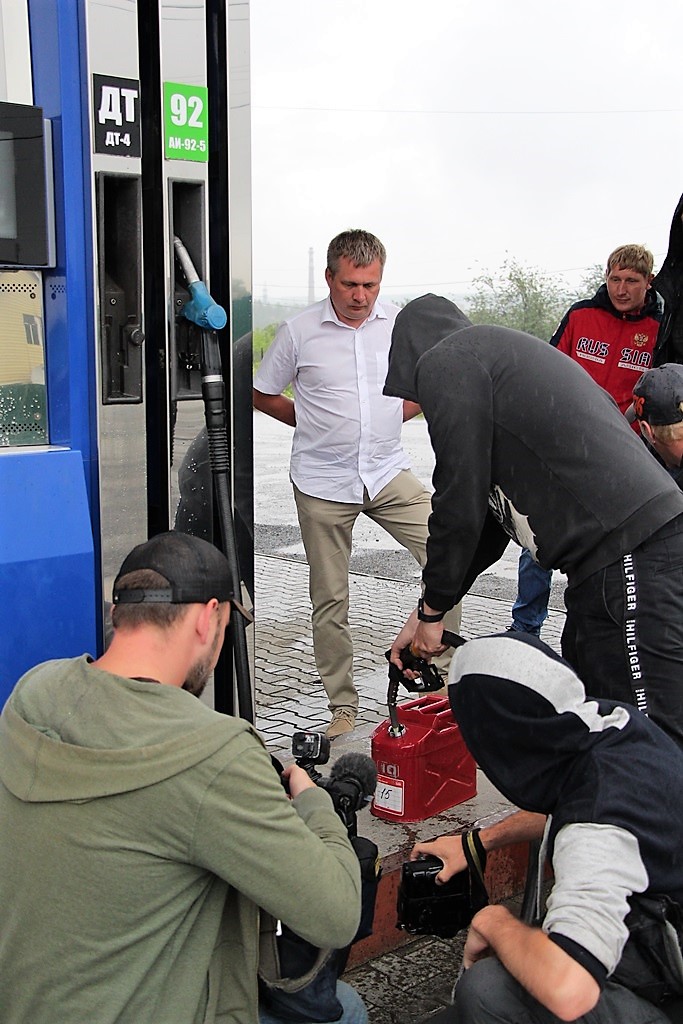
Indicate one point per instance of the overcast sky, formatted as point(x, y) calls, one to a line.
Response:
point(462, 132)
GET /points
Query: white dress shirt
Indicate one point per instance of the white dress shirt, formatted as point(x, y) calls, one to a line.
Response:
point(348, 434)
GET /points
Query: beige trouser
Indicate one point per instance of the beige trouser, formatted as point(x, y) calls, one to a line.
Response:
point(401, 508)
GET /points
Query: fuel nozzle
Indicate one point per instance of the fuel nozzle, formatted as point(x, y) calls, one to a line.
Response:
point(428, 679)
point(201, 309)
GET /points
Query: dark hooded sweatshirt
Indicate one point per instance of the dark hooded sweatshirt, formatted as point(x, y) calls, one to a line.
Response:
point(609, 778)
point(669, 284)
point(527, 446)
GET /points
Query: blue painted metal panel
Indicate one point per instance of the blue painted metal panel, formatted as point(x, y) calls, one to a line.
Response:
point(47, 566)
point(60, 84)
point(49, 577)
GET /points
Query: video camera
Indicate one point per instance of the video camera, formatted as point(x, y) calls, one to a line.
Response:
point(304, 987)
point(427, 907)
point(310, 749)
point(352, 780)
point(351, 785)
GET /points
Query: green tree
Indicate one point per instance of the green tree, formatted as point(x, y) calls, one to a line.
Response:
point(524, 298)
point(263, 336)
point(590, 282)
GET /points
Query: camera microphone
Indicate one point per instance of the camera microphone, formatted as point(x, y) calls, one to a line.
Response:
point(357, 770)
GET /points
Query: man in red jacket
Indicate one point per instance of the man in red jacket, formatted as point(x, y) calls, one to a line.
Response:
point(613, 335)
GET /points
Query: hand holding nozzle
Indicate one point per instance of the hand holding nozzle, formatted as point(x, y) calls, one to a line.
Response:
point(451, 639)
point(427, 678)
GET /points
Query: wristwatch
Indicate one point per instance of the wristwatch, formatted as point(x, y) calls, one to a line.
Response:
point(423, 617)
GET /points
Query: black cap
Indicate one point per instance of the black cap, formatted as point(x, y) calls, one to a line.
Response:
point(658, 395)
point(196, 571)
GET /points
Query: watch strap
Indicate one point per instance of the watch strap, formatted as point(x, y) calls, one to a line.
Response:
point(422, 615)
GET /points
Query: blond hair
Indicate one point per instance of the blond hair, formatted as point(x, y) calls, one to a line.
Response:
point(631, 257)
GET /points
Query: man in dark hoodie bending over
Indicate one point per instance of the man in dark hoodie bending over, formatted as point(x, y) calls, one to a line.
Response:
point(528, 447)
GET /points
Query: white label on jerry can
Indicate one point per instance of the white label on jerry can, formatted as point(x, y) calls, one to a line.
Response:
point(389, 794)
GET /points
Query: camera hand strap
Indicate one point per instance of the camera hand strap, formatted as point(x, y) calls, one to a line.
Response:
point(475, 855)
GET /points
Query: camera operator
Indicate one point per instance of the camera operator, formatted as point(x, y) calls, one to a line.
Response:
point(142, 831)
point(606, 781)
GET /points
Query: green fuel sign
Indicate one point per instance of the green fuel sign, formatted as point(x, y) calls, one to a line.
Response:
point(186, 122)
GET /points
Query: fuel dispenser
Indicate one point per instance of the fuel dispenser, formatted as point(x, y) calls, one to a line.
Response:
point(148, 108)
point(155, 85)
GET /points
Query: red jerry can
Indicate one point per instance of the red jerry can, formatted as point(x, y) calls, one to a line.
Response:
point(425, 770)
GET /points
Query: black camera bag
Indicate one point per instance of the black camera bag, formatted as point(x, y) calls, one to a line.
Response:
point(425, 907)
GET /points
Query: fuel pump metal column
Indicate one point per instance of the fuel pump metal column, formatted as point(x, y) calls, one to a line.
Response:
point(207, 314)
point(115, 212)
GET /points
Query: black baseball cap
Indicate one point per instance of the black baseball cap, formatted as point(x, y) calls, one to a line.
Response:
point(658, 396)
point(196, 572)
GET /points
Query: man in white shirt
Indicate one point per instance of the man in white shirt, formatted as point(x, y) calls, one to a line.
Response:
point(346, 454)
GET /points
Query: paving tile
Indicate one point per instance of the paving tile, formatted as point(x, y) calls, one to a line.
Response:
point(286, 680)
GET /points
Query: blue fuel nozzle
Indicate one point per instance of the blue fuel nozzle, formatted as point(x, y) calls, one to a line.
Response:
point(202, 310)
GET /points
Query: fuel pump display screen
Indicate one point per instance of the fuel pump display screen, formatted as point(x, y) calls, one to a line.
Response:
point(25, 200)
